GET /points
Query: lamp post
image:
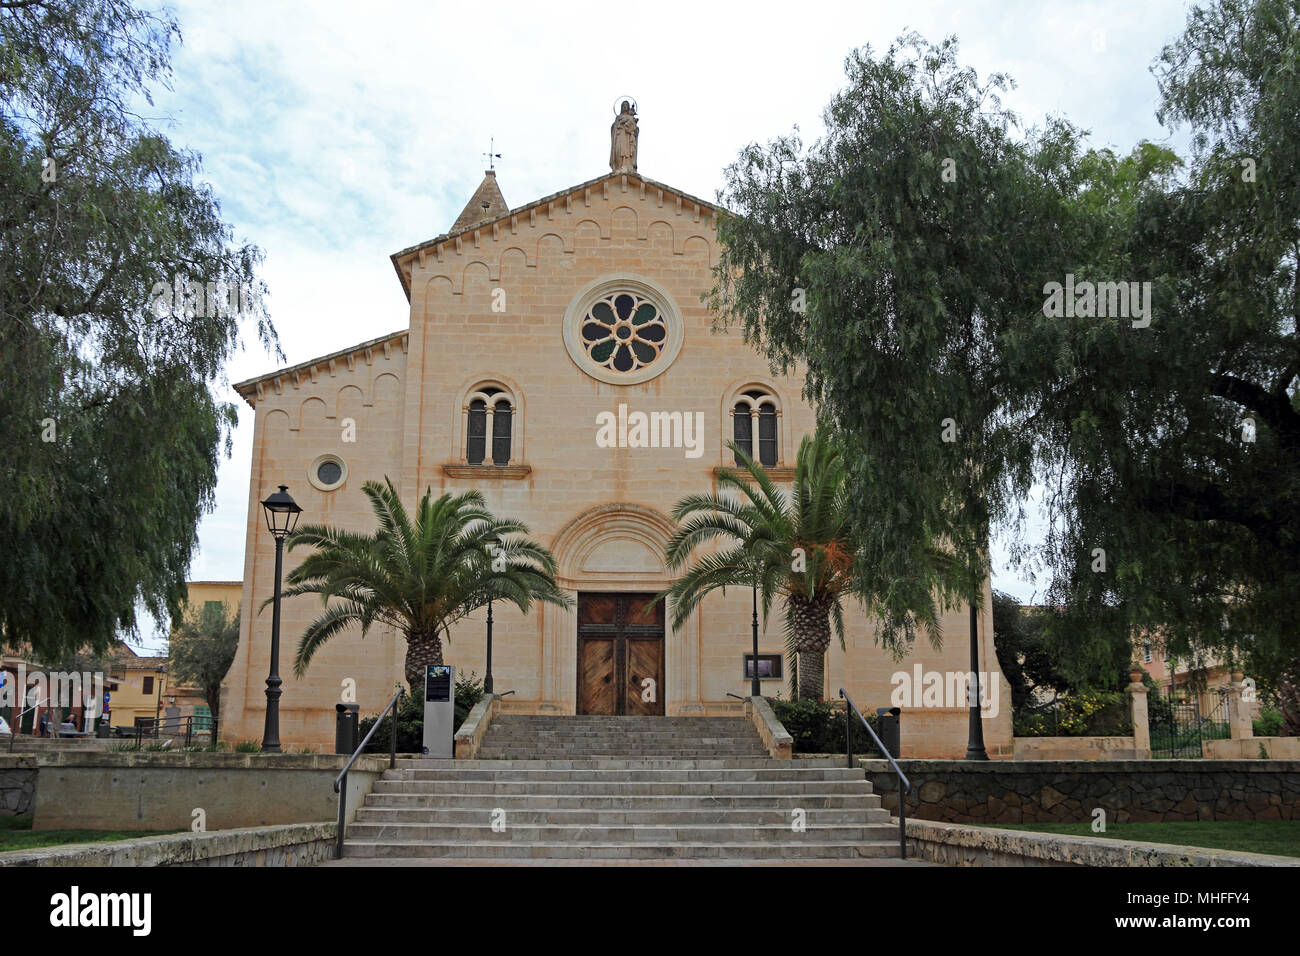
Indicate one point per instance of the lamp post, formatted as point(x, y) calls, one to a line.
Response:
point(281, 518)
point(975, 737)
point(492, 543)
point(755, 690)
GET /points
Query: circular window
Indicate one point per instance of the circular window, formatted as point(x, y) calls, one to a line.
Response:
point(327, 472)
point(622, 330)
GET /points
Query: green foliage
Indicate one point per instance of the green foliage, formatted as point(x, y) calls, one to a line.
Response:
point(817, 726)
point(1269, 723)
point(1088, 714)
point(202, 649)
point(925, 303)
point(417, 576)
point(410, 718)
point(791, 546)
point(912, 282)
point(112, 433)
point(248, 747)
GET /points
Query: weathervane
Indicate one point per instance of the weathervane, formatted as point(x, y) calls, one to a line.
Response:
point(490, 155)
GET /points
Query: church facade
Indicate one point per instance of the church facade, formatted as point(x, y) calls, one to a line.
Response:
point(559, 359)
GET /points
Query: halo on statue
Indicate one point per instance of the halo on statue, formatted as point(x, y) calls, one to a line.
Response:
point(620, 100)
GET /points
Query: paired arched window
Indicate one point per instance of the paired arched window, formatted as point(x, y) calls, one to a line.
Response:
point(489, 414)
point(754, 427)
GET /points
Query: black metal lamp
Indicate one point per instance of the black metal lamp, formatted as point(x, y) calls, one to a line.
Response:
point(281, 518)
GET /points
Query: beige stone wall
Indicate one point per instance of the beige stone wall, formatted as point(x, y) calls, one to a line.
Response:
point(603, 511)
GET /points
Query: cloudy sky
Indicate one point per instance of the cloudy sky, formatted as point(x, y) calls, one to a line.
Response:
point(338, 133)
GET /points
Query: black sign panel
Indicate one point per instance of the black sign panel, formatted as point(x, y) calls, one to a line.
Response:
point(437, 683)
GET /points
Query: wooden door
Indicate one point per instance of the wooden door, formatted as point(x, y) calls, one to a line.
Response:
point(620, 654)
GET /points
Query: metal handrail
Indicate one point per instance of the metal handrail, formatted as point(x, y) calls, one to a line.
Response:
point(507, 693)
point(904, 785)
point(737, 696)
point(343, 775)
point(18, 722)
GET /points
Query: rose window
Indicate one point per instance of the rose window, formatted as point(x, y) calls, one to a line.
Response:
point(623, 332)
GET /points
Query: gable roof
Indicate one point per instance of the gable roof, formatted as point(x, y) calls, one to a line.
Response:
point(404, 257)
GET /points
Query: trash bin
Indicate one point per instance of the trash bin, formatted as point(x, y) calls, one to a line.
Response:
point(887, 726)
point(102, 729)
point(345, 729)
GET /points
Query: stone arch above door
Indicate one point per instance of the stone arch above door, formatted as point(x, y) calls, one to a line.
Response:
point(618, 541)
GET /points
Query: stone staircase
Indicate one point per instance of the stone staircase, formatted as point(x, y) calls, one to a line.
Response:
point(586, 789)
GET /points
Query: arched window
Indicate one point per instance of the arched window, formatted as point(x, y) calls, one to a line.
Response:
point(755, 413)
point(490, 411)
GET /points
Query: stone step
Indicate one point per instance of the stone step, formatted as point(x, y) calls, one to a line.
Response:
point(626, 763)
point(594, 835)
point(611, 753)
point(569, 850)
point(596, 774)
point(485, 812)
point(556, 801)
point(572, 732)
point(616, 788)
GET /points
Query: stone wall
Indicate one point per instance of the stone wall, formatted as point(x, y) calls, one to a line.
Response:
point(298, 845)
point(159, 791)
point(1077, 748)
point(955, 845)
point(1248, 748)
point(17, 785)
point(1068, 791)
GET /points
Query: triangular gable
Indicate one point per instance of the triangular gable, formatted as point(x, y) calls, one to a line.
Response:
point(402, 261)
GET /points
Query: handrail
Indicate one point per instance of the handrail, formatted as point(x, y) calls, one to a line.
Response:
point(904, 785)
point(507, 693)
point(18, 722)
point(343, 775)
point(737, 696)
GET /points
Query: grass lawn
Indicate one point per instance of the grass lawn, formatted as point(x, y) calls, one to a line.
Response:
point(16, 834)
point(1278, 837)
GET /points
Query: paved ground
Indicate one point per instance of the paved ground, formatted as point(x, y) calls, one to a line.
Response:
point(452, 862)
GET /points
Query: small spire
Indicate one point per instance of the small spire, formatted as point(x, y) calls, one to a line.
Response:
point(486, 204)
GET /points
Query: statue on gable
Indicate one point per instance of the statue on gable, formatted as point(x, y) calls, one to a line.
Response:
point(623, 134)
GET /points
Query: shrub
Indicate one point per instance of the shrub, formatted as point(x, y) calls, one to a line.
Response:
point(817, 726)
point(1269, 723)
point(410, 718)
point(248, 747)
point(1089, 714)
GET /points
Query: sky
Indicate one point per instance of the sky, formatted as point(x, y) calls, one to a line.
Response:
point(335, 134)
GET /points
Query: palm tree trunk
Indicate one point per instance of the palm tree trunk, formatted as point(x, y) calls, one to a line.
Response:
point(422, 649)
point(812, 636)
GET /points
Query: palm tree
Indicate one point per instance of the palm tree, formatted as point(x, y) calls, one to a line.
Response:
point(418, 576)
point(793, 546)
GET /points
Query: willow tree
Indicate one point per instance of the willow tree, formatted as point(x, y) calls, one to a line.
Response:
point(111, 433)
point(893, 260)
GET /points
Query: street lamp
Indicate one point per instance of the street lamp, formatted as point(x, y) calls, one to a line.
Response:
point(493, 544)
point(281, 518)
point(755, 689)
point(975, 736)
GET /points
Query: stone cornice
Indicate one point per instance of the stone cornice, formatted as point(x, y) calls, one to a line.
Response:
point(252, 389)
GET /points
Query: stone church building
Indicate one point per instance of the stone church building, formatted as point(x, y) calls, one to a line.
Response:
point(529, 327)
